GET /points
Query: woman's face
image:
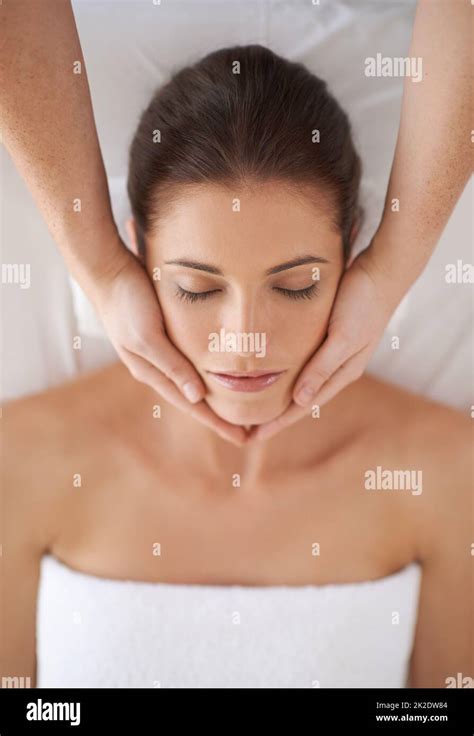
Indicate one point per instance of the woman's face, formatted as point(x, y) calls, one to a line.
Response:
point(247, 281)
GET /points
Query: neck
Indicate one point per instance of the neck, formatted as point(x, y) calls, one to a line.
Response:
point(190, 445)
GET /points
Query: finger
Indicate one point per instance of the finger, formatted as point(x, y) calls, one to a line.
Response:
point(334, 351)
point(144, 372)
point(201, 411)
point(346, 374)
point(231, 432)
point(165, 357)
point(289, 416)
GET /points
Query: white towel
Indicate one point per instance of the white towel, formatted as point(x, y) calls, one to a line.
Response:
point(97, 632)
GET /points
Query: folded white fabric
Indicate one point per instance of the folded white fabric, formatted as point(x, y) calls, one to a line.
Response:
point(96, 632)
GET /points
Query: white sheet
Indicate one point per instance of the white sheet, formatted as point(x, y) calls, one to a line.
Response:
point(131, 48)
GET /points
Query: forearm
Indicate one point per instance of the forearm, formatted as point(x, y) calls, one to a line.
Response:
point(48, 127)
point(432, 161)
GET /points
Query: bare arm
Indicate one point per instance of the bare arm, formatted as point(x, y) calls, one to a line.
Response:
point(433, 155)
point(19, 573)
point(48, 127)
point(443, 650)
point(26, 528)
point(432, 163)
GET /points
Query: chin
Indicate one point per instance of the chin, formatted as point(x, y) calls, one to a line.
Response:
point(245, 413)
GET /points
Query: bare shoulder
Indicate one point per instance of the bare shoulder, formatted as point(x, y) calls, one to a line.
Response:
point(44, 437)
point(431, 444)
point(435, 441)
point(40, 433)
point(428, 426)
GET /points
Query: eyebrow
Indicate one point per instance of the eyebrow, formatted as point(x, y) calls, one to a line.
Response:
point(299, 261)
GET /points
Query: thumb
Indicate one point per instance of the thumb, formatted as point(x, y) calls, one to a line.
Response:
point(326, 360)
point(163, 355)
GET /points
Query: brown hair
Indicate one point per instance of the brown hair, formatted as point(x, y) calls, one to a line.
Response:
point(218, 126)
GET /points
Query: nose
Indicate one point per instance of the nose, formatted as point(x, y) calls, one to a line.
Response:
point(242, 317)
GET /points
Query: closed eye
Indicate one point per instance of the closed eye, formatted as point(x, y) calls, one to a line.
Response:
point(306, 293)
point(194, 296)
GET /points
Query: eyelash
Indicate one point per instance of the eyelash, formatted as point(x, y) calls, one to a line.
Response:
point(307, 293)
point(194, 296)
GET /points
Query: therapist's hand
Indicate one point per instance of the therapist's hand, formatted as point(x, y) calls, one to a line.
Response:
point(364, 302)
point(129, 308)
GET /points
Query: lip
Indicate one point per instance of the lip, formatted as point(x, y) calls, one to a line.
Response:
point(247, 382)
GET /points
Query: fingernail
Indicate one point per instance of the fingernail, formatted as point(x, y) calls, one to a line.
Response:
point(192, 392)
point(304, 395)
